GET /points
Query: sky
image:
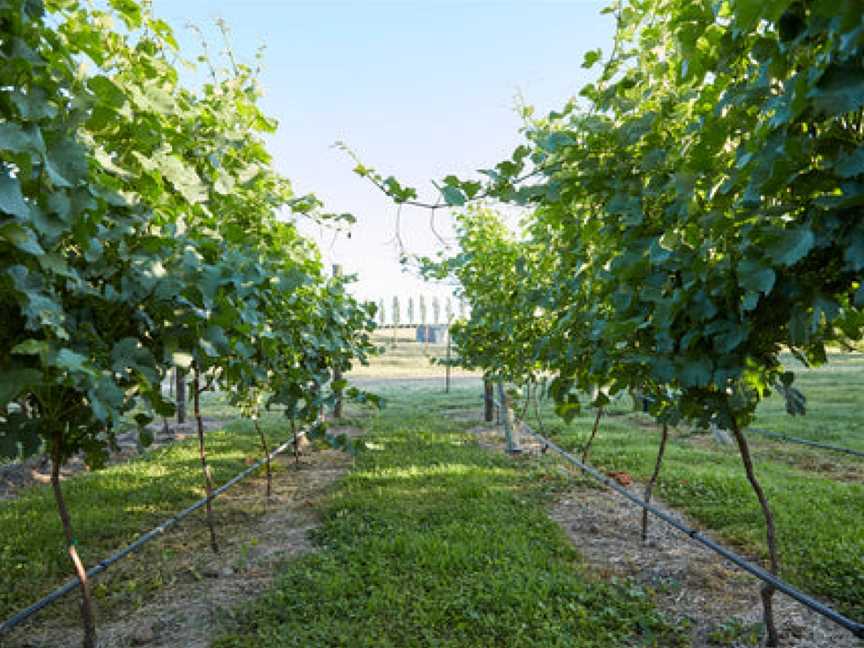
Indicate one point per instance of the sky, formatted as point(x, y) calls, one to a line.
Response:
point(417, 89)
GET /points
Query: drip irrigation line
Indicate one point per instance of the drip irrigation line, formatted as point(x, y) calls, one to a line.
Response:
point(143, 539)
point(790, 439)
point(762, 574)
point(807, 442)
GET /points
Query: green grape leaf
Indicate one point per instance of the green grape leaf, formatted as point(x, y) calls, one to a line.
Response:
point(107, 91)
point(695, 372)
point(182, 177)
point(145, 437)
point(72, 361)
point(748, 12)
point(31, 347)
point(66, 162)
point(11, 198)
point(22, 238)
point(839, 91)
point(129, 354)
point(791, 245)
point(591, 57)
point(756, 277)
point(453, 196)
point(34, 105)
point(16, 139)
point(106, 399)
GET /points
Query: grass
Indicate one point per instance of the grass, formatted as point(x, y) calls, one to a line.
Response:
point(111, 507)
point(833, 404)
point(405, 359)
point(817, 495)
point(433, 541)
point(820, 521)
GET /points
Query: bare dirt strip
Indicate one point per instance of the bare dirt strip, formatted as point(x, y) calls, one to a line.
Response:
point(208, 587)
point(690, 583)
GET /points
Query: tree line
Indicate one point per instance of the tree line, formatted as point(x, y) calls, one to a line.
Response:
point(421, 312)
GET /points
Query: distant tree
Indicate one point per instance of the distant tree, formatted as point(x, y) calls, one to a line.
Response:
point(423, 322)
point(461, 309)
point(382, 316)
point(395, 316)
point(411, 311)
point(436, 309)
point(448, 310)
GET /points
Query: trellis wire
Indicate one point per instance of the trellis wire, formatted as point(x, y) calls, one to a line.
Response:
point(851, 625)
point(143, 539)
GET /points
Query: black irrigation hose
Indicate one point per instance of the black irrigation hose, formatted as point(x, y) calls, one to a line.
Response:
point(852, 626)
point(788, 439)
point(807, 442)
point(143, 539)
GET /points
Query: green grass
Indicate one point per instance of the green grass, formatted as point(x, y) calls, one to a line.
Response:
point(817, 495)
point(432, 541)
point(111, 507)
point(834, 399)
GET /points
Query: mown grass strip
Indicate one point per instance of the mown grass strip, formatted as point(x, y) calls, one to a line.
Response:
point(110, 508)
point(432, 541)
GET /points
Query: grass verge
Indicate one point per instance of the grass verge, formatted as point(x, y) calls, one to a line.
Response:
point(432, 541)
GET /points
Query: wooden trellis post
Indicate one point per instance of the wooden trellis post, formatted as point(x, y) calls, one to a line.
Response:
point(488, 401)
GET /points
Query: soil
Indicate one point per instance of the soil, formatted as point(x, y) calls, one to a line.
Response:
point(691, 582)
point(209, 587)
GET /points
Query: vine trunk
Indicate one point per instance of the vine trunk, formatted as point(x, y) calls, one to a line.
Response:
point(767, 591)
point(87, 616)
point(202, 453)
point(651, 482)
point(266, 448)
point(587, 448)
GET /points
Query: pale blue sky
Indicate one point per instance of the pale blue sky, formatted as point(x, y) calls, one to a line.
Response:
point(418, 89)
